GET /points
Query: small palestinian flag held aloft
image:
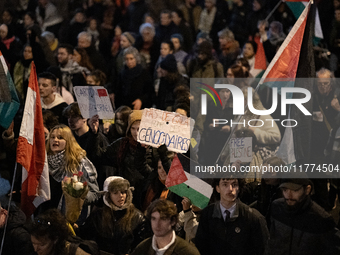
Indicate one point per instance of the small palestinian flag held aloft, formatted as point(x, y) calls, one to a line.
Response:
point(184, 184)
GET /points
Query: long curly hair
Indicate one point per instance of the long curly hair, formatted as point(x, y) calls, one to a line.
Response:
point(73, 152)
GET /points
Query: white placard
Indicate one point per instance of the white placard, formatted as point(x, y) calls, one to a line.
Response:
point(241, 149)
point(94, 100)
point(159, 127)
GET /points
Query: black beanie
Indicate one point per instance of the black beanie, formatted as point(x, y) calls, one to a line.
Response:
point(169, 63)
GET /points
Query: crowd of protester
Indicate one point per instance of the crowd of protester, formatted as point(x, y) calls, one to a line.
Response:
point(144, 52)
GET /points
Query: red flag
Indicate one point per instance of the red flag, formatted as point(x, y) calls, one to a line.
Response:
point(31, 153)
point(260, 56)
point(176, 173)
point(286, 60)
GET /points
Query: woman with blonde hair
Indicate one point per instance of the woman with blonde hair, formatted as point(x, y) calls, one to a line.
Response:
point(118, 226)
point(65, 158)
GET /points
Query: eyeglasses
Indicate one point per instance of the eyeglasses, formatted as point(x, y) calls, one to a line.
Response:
point(42, 222)
point(324, 84)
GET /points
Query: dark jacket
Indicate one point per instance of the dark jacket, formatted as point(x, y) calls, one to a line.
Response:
point(179, 247)
point(118, 242)
point(308, 230)
point(134, 83)
point(97, 60)
point(245, 232)
point(320, 132)
point(17, 239)
point(166, 96)
point(94, 142)
point(126, 156)
point(153, 51)
point(163, 33)
point(134, 16)
point(238, 23)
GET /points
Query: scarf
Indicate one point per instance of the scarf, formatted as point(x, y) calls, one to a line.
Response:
point(207, 20)
point(8, 42)
point(56, 164)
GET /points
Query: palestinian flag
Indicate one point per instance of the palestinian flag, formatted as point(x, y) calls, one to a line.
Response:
point(297, 7)
point(184, 184)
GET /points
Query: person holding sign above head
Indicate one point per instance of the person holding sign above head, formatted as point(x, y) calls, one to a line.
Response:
point(86, 138)
point(126, 155)
point(229, 225)
point(134, 88)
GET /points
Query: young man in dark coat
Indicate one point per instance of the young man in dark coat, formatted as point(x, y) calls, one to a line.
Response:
point(299, 225)
point(229, 226)
point(164, 216)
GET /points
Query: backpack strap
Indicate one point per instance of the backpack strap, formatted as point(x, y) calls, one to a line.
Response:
point(215, 69)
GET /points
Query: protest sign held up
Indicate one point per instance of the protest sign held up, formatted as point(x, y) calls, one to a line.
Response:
point(241, 149)
point(161, 127)
point(94, 100)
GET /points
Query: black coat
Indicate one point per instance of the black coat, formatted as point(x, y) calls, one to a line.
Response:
point(90, 142)
point(97, 60)
point(245, 232)
point(118, 242)
point(17, 240)
point(134, 83)
point(309, 230)
point(153, 51)
point(166, 96)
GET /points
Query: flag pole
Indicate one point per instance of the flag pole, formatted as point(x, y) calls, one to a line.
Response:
point(272, 12)
point(9, 204)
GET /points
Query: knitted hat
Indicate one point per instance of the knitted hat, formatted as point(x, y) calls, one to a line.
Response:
point(135, 115)
point(203, 35)
point(130, 37)
point(179, 37)
point(169, 63)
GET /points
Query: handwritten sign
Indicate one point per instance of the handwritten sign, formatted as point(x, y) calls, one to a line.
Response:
point(94, 100)
point(159, 127)
point(241, 149)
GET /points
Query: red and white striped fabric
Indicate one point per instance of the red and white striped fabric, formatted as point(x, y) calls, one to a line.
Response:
point(31, 153)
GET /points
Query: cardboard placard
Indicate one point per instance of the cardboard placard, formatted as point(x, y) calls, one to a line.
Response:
point(94, 100)
point(159, 127)
point(241, 149)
